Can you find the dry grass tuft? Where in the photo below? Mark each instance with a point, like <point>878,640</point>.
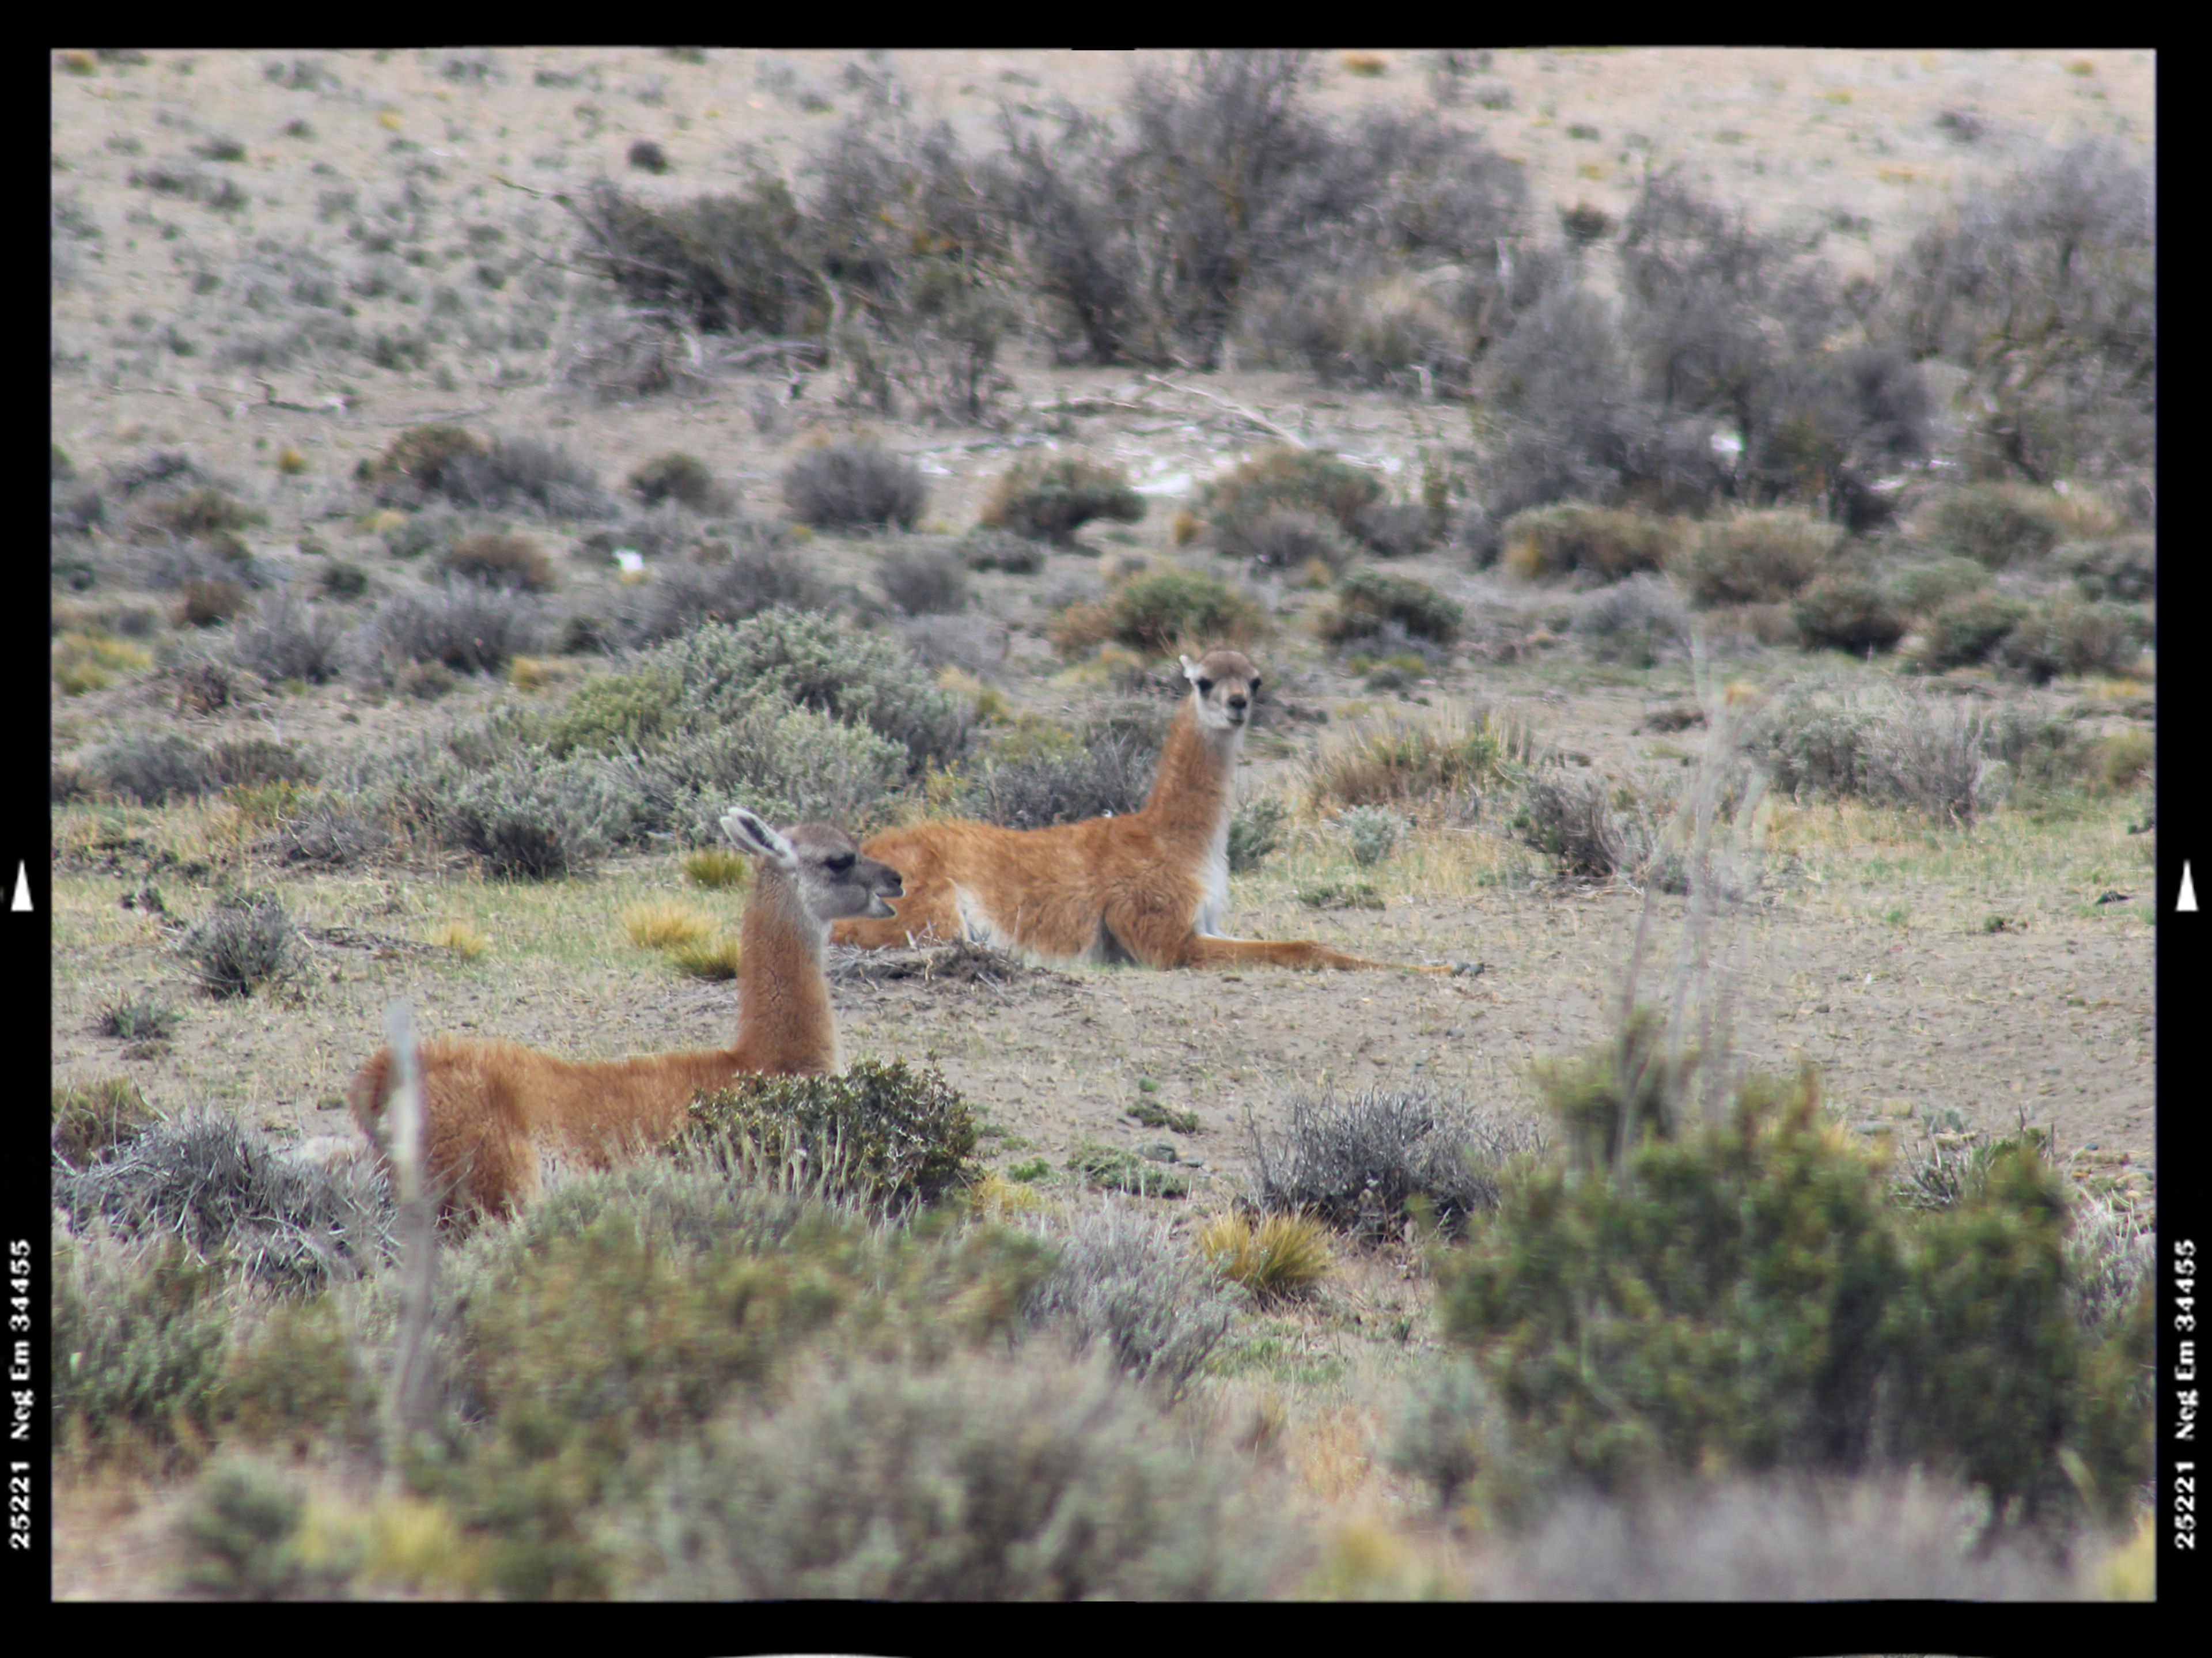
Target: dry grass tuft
<point>664,924</point>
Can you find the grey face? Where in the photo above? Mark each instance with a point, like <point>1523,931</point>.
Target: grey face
<point>835,878</point>
<point>1226,682</point>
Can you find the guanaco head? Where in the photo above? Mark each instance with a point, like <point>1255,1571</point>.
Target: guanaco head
<point>833,880</point>
<point>1226,682</point>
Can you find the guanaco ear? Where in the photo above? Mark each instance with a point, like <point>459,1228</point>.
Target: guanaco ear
<point>1189,668</point>
<point>751,834</point>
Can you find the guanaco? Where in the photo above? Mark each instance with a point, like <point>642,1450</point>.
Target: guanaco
<point>1151,886</point>
<point>491,1107</point>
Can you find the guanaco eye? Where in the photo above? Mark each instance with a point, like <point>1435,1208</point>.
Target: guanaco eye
<point>841,862</point>
<point>1204,687</point>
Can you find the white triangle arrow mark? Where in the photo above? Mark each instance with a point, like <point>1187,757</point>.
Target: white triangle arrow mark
<point>22,887</point>
<point>2187,898</point>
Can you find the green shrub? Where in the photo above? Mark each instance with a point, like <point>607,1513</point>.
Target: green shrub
<point>1968,629</point>
<point>1111,772</point>
<point>297,1381</point>
<point>145,1016</point>
<point>90,1117</point>
<point>893,1137</point>
<point>1049,498</point>
<point>854,485</point>
<point>1254,830</point>
<point>1735,1295</point>
<point>242,1536</point>
<point>1372,832</point>
<point>1919,588</point>
<point>2125,569</point>
<point>1117,1169</point>
<point>982,1481</point>
<point>1238,503</point>
<point>1928,753</point>
<point>2071,637</point>
<point>1997,523</point>
<point>1366,599</point>
<point>1755,557</point>
<point>630,711</point>
<point>535,818</point>
<point>152,767</point>
<point>138,1342</point>
<point>1847,612</point>
<point>1159,613</point>
<point>1608,541</point>
<point>501,561</point>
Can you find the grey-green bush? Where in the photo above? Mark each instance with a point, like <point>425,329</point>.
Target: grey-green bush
<point>854,485</point>
<point>1124,1280</point>
<point>981,1480</point>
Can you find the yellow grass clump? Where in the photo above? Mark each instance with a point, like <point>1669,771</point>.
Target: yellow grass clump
<point>1283,1256</point>
<point>717,868</point>
<point>464,938</point>
<point>662,923</point>
<point>706,958</point>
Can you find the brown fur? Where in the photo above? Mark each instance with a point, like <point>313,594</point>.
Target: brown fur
<point>491,1107</point>
<point>1148,887</point>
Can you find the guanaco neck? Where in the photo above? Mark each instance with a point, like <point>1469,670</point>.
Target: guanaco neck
<point>1193,788</point>
<point>784,1020</point>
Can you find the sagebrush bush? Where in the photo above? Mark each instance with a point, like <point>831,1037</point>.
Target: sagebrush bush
<point>138,1337</point>
<point>924,581</point>
<point>854,485</point>
<point>1243,499</point>
<point>522,474</point>
<point>1001,549</point>
<point>1968,629</point>
<point>754,571</point>
<point>1997,523</point>
<point>2125,569</point>
<point>893,1138</point>
<point>983,1481</point>
<point>152,767</point>
<point>1111,774</point>
<point>1607,542</point>
<point>1366,599</point>
<point>1289,539</point>
<point>1049,498</point>
<point>290,638</point>
<point>1370,1162</point>
<point>1370,832</point>
<point>462,625</point>
<point>1727,1344</point>
<point>252,761</point>
<point>1920,588</point>
<point>1160,612</point>
<point>537,818</point>
<point>2071,637</point>
<point>1256,828</point>
<point>205,512</point>
<point>1381,330</point>
<point>678,475</point>
<point>500,560</point>
<point>1847,612</point>
<point>1638,621</point>
<point>1753,557</point>
<point>1123,1278</point>
<point>1931,754</point>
